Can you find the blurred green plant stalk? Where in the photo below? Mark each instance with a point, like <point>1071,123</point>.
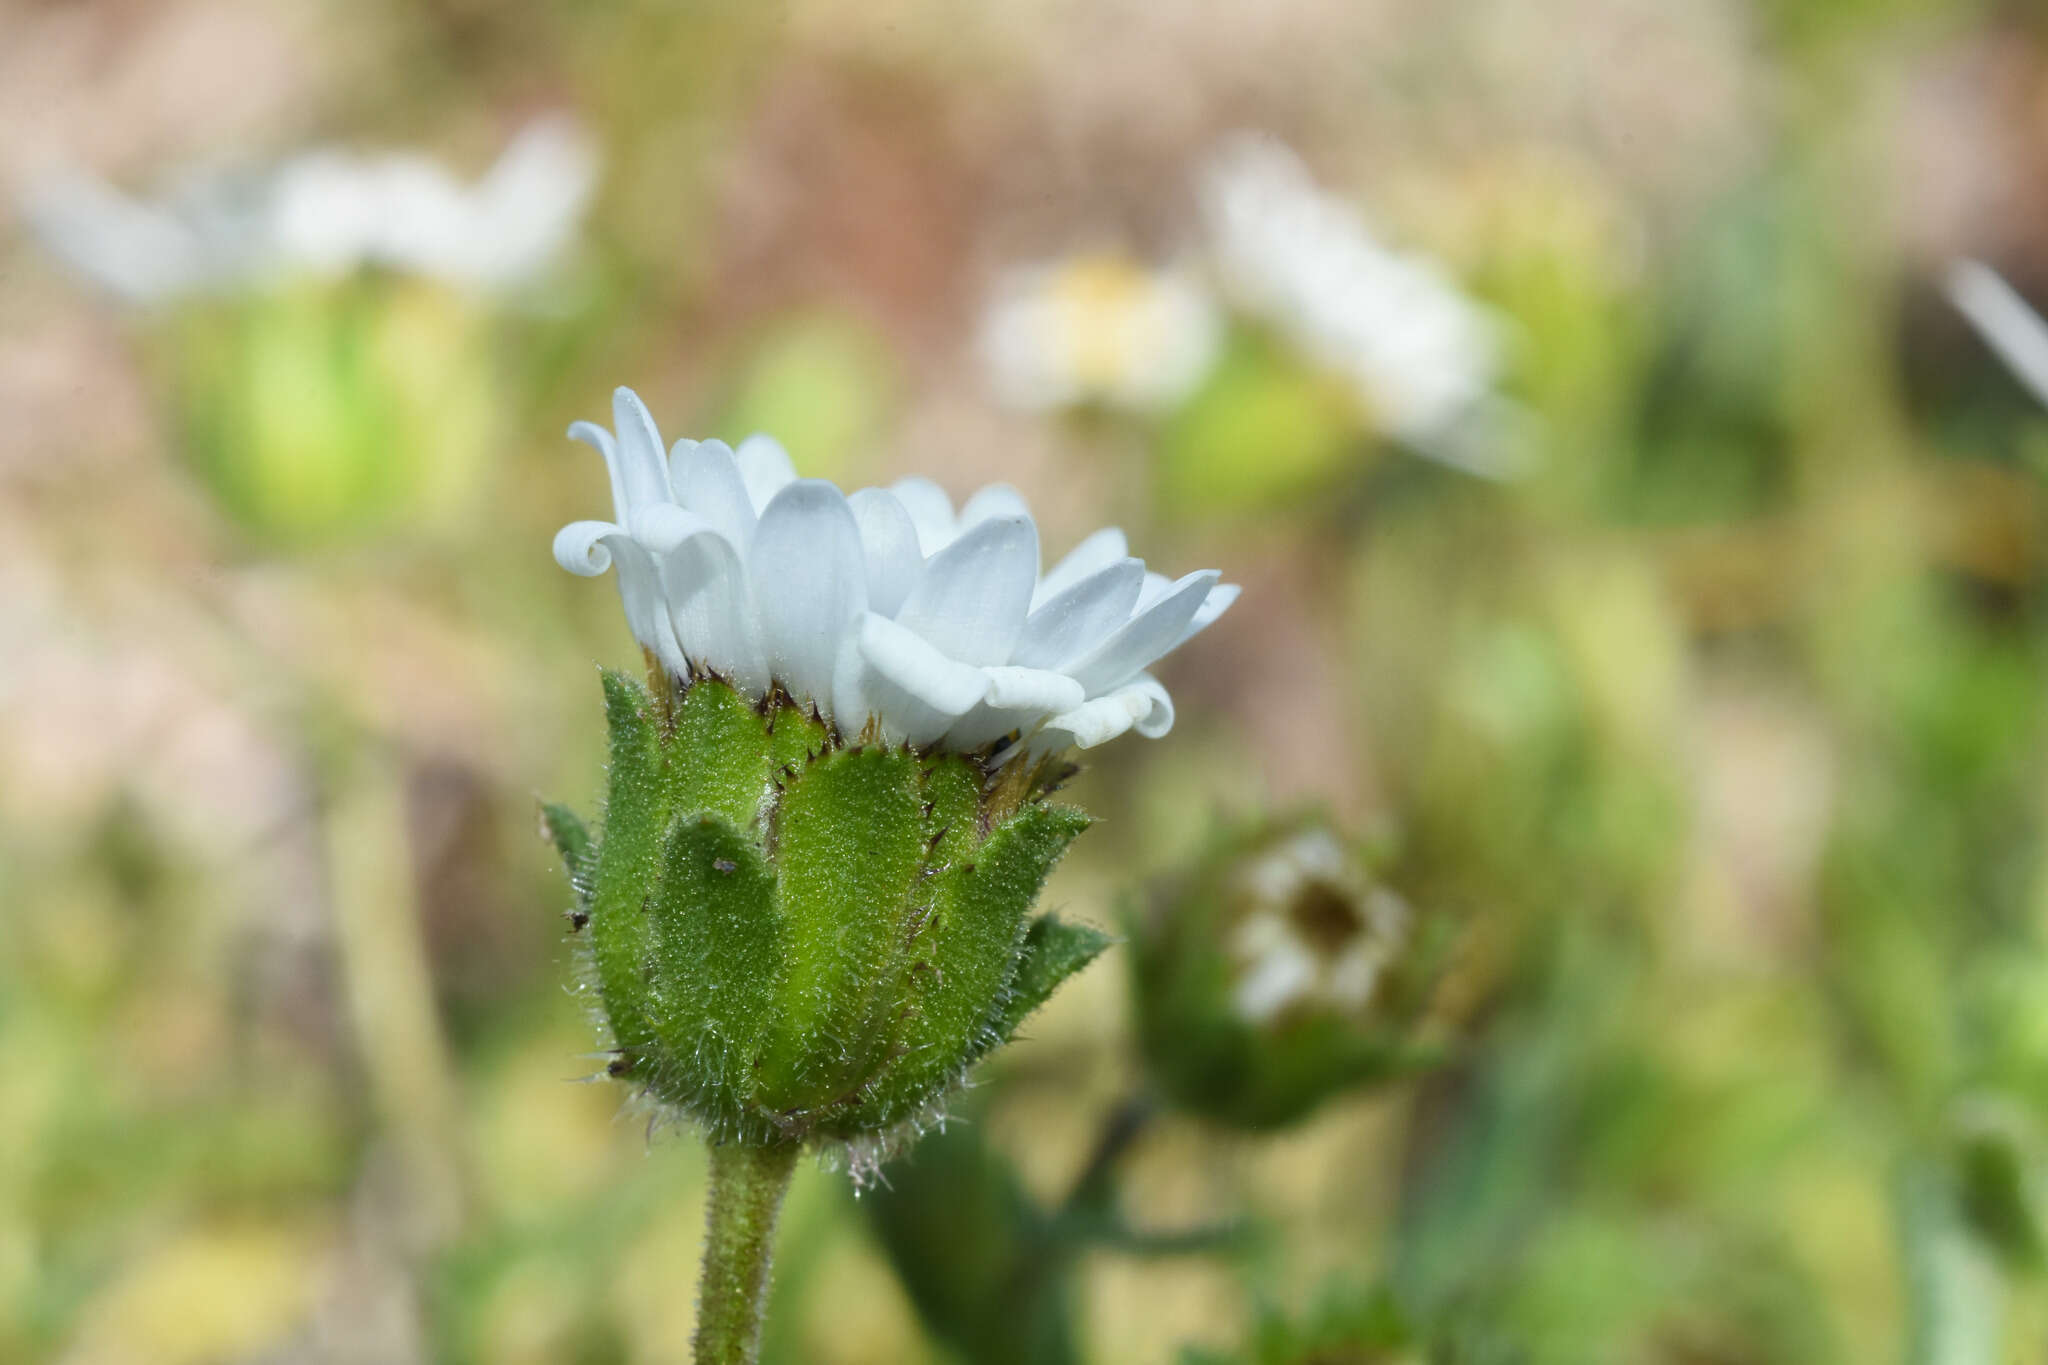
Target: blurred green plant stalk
<point>390,990</point>
<point>315,411</point>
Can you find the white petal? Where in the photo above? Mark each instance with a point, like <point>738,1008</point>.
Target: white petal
<point>1093,723</point>
<point>765,467</point>
<point>1214,605</point>
<point>996,500</point>
<point>1032,689</point>
<point>579,547</point>
<point>704,579</point>
<point>853,685</point>
<point>646,614</point>
<point>525,209</point>
<point>2011,328</point>
<point>661,526</point>
<point>589,548</point>
<point>1154,722</point>
<point>1156,586</point>
<point>141,252</point>
<point>1277,977</point>
<point>643,473</point>
<point>810,585</point>
<point>1092,555</point>
<point>910,661</point>
<point>1018,699</point>
<point>971,598</point>
<point>999,500</point>
<point>931,512</point>
<point>600,440</point>
<point>415,218</point>
<point>888,539</point>
<point>707,481</point>
<point>916,691</point>
<point>657,530</point>
<point>1149,634</point>
<point>1081,617</point>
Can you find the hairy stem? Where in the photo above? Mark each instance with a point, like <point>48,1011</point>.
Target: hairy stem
<point>747,1185</point>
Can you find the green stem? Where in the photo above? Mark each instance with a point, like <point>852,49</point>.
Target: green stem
<point>390,988</point>
<point>747,1185</point>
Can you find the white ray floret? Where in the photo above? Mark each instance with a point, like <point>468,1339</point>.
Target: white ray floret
<point>885,606</point>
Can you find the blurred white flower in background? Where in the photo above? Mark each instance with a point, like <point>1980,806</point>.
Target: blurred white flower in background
<point>325,213</point>
<point>1420,354</point>
<point>1098,328</point>
<point>1316,932</point>
<point>2008,326</point>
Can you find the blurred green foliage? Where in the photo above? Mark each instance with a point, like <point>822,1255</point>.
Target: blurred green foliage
<point>306,411</point>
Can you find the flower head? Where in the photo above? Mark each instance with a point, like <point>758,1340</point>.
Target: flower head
<point>326,213</point>
<point>808,912</point>
<point>1098,329</point>
<point>888,612</point>
<point>1417,351</point>
<point>1274,973</point>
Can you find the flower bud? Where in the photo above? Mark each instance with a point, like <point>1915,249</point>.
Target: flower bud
<point>1273,973</point>
<point>793,937</point>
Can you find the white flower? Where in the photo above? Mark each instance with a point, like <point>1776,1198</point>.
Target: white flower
<point>1319,934</point>
<point>328,212</point>
<point>883,606</point>
<point>2004,320</point>
<point>1418,352</point>
<point>1097,328</point>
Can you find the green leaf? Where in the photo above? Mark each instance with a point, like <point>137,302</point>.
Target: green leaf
<point>565,830</point>
<point>952,788</point>
<point>1053,951</point>
<point>795,737</point>
<point>848,840</point>
<point>628,861</point>
<point>717,755</point>
<point>717,956</point>
<point>976,1255</point>
<point>966,952</point>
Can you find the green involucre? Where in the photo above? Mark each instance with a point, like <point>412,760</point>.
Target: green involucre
<point>794,939</point>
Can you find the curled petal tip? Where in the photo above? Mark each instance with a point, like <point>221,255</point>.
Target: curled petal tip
<point>580,548</point>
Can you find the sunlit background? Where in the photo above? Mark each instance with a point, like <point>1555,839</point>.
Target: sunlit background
<point>1644,576</point>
